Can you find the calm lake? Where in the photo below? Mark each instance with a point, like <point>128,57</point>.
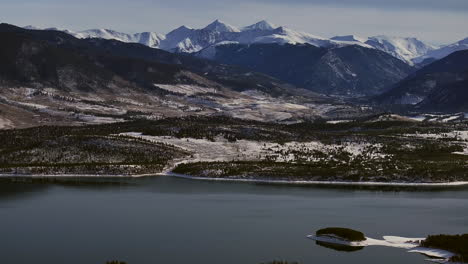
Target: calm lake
<point>170,220</point>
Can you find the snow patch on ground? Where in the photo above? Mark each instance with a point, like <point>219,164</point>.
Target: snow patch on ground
<point>206,150</point>
<point>91,119</point>
<point>5,123</point>
<point>354,149</point>
<point>338,121</point>
<point>418,118</point>
<point>186,89</point>
<point>437,253</point>
<point>457,135</point>
<point>451,118</point>
<point>91,107</point>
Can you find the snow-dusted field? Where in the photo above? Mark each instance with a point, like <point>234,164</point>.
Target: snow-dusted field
<point>455,135</point>
<point>241,150</point>
<point>458,136</point>
<point>186,89</point>
<point>5,123</point>
<point>205,150</point>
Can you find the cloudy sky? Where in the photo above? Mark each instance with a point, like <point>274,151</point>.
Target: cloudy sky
<point>436,21</point>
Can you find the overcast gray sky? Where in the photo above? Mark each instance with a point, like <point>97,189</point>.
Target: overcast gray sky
<point>437,21</point>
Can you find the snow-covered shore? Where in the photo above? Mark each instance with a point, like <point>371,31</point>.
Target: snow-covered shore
<point>292,182</point>
<point>76,175</point>
<point>281,182</point>
<point>410,244</point>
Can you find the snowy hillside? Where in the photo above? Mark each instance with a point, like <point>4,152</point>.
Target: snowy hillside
<point>150,39</point>
<point>444,51</point>
<point>405,49</point>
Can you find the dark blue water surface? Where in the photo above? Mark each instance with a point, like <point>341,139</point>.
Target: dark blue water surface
<point>170,220</point>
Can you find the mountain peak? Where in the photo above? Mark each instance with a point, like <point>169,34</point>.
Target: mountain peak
<point>220,26</point>
<point>183,27</point>
<point>180,31</point>
<point>262,25</point>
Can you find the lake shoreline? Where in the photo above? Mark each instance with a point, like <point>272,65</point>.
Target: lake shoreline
<point>265,181</point>
<point>335,183</point>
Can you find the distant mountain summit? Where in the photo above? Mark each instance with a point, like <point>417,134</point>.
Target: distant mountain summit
<point>262,25</point>
<point>219,26</point>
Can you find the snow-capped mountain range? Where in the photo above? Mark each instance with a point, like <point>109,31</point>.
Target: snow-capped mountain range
<point>189,40</point>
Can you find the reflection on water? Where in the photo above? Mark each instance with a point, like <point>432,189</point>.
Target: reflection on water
<point>338,247</point>
<point>18,186</point>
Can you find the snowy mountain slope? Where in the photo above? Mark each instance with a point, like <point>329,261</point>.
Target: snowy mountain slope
<point>443,51</point>
<point>405,49</point>
<point>350,40</point>
<point>184,39</point>
<point>150,39</point>
<point>283,35</point>
<point>262,25</point>
<point>220,26</point>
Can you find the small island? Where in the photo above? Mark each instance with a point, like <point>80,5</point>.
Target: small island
<point>341,233</point>
<point>442,248</point>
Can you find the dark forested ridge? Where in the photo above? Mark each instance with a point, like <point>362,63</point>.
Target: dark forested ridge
<point>350,71</point>
<point>440,86</point>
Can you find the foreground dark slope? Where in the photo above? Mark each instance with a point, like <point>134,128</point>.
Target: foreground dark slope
<point>27,60</point>
<point>349,71</point>
<point>440,86</point>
